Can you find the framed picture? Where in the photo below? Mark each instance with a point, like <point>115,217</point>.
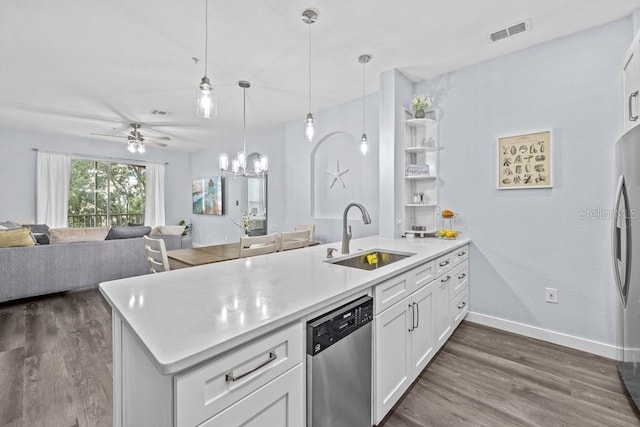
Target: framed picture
<point>524,161</point>
<point>207,196</point>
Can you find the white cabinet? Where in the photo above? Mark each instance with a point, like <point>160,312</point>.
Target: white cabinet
<point>420,174</point>
<point>443,308</point>
<point>278,404</point>
<point>631,84</point>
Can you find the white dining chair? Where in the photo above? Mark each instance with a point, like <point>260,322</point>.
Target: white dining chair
<point>156,255</point>
<point>294,240</point>
<point>310,227</point>
<point>258,245</point>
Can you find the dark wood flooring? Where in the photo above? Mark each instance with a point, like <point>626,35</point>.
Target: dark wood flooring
<point>55,370</point>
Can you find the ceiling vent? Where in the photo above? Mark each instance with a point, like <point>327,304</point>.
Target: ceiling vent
<point>511,30</point>
<point>155,112</point>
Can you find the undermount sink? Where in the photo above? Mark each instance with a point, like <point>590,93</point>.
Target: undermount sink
<point>361,260</point>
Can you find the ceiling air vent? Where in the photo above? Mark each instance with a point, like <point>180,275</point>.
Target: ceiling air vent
<point>155,112</point>
<point>511,30</point>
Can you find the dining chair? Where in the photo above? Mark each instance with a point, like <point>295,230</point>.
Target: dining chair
<point>294,239</point>
<point>156,255</point>
<point>310,227</point>
<point>258,245</point>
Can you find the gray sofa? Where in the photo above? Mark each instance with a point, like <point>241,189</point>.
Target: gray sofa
<point>43,269</point>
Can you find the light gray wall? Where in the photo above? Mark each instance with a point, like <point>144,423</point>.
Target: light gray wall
<point>18,170</point>
<point>210,229</point>
<point>339,125</point>
<point>526,240</point>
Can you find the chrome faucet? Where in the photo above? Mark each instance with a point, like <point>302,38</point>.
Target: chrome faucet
<point>346,235</point>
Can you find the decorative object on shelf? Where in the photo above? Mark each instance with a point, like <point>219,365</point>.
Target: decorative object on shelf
<point>364,142</point>
<point>187,227</point>
<point>239,163</point>
<point>246,223</point>
<point>524,161</point>
<point>309,16</point>
<point>337,175</point>
<point>447,232</point>
<point>420,104</point>
<point>206,102</point>
<point>207,196</point>
<point>416,170</point>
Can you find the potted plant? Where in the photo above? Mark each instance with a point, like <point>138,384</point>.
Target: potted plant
<point>187,227</point>
<point>420,104</point>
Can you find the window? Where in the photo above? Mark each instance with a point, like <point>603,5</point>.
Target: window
<point>106,194</point>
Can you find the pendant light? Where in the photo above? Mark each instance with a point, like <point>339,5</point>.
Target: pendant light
<point>309,16</point>
<point>206,102</point>
<point>364,142</point>
<point>239,163</point>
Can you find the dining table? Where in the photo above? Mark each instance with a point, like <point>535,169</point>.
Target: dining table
<point>191,257</point>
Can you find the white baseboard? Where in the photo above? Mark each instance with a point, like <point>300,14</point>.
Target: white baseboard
<point>605,350</point>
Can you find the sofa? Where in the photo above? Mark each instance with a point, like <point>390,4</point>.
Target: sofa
<point>47,268</point>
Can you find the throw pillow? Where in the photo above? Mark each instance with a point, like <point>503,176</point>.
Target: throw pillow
<point>74,235</point>
<point>127,232</point>
<point>9,225</point>
<point>15,238</point>
<point>167,230</point>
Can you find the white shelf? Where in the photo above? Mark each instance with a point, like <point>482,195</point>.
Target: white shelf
<point>420,149</point>
<point>419,122</point>
<point>420,231</point>
<point>419,205</point>
<point>420,177</point>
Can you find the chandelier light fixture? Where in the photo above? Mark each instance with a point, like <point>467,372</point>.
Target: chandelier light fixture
<point>206,102</point>
<point>239,163</point>
<point>135,142</point>
<point>309,16</point>
<point>364,142</point>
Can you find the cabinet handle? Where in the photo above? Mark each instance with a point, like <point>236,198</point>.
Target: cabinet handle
<point>462,276</point>
<point>231,378</point>
<point>631,116</point>
<point>445,280</point>
<point>417,307</point>
<point>461,306</point>
<point>413,315</point>
<point>462,253</point>
<point>443,263</point>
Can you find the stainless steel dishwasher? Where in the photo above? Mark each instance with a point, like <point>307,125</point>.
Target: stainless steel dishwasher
<point>339,366</point>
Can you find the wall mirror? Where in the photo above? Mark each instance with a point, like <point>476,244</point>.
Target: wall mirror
<point>256,191</point>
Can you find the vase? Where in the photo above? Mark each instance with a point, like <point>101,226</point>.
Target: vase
<point>419,114</point>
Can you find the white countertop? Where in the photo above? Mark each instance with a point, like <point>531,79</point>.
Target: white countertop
<point>186,316</point>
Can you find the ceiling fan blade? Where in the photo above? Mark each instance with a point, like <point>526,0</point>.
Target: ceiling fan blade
<point>159,138</point>
<point>104,134</point>
<point>157,144</point>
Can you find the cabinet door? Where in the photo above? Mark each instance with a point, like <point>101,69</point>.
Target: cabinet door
<point>423,334</point>
<point>443,309</point>
<point>280,403</point>
<point>631,84</point>
<point>392,353</point>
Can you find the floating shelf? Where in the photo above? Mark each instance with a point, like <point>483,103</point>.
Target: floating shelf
<point>419,205</point>
<point>419,122</point>
<point>420,231</point>
<point>421,177</point>
<point>420,149</point>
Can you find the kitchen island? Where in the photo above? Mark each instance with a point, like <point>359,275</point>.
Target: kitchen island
<point>170,328</point>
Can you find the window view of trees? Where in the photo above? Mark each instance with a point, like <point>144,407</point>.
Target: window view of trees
<point>106,194</point>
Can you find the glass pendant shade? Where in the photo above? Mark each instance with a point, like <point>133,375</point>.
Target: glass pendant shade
<point>364,144</point>
<point>223,161</point>
<point>141,148</point>
<point>242,159</point>
<point>309,128</point>
<point>206,102</point>
<point>131,146</point>
<point>235,166</point>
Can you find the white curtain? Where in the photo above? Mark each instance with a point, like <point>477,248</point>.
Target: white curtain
<point>53,179</point>
<point>154,207</point>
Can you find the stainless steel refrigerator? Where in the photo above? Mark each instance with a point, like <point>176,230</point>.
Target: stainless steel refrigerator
<point>626,258</point>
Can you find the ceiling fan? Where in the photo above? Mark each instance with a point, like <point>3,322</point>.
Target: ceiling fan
<point>135,140</point>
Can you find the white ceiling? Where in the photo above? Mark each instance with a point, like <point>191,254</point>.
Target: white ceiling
<point>80,66</point>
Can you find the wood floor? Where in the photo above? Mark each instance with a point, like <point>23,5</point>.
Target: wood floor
<point>55,370</point>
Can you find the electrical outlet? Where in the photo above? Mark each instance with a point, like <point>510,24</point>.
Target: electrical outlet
<point>551,295</point>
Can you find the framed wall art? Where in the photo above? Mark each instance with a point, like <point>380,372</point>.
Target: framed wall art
<point>207,195</point>
<point>524,161</point>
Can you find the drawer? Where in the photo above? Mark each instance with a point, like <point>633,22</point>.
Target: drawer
<point>207,390</point>
<point>459,255</point>
<point>444,263</point>
<point>459,278</point>
<point>460,307</point>
<point>424,274</point>
<point>393,290</point>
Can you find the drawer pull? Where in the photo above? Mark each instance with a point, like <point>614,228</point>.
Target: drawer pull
<point>417,315</point>
<point>443,263</point>
<point>445,280</point>
<point>413,315</point>
<point>463,305</point>
<point>462,253</point>
<point>462,276</point>
<point>632,117</point>
<point>231,378</point>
